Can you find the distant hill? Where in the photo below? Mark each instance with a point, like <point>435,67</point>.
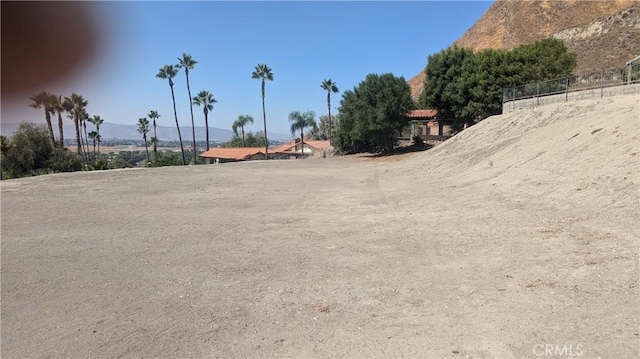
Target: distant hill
<point>603,34</point>
<point>165,133</point>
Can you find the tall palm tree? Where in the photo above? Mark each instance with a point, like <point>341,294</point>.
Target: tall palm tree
<point>241,122</point>
<point>143,128</point>
<point>188,63</point>
<point>76,103</point>
<point>59,108</point>
<point>330,87</point>
<point>168,72</point>
<point>42,99</point>
<point>83,120</point>
<point>300,121</point>
<point>263,72</point>
<point>154,142</point>
<point>97,121</point>
<point>153,115</point>
<point>93,135</point>
<point>206,100</point>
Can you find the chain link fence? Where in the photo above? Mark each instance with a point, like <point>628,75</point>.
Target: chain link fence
<point>588,81</point>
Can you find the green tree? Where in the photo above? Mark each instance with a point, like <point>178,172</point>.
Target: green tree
<point>97,121</point>
<point>263,73</point>
<point>188,63</point>
<point>251,140</point>
<point>322,131</point>
<point>300,121</point>
<point>443,89</point>
<point>330,87</point>
<point>468,87</point>
<point>241,122</point>
<point>168,72</point>
<point>143,129</point>
<point>28,151</point>
<point>153,115</point>
<point>373,113</point>
<point>206,100</point>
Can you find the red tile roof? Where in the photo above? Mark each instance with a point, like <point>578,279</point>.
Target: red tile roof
<point>289,147</point>
<point>421,114</point>
<point>233,153</point>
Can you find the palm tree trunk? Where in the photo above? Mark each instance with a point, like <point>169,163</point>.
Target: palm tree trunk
<point>98,131</point>
<point>94,148</point>
<point>206,125</point>
<point>77,125</point>
<point>146,147</point>
<point>86,139</point>
<point>47,115</point>
<point>264,118</point>
<point>175,113</point>
<point>329,107</point>
<point>242,127</point>
<point>155,143</point>
<point>302,141</point>
<point>60,125</point>
<point>193,124</point>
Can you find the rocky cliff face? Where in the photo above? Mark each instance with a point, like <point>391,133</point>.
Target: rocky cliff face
<point>603,34</point>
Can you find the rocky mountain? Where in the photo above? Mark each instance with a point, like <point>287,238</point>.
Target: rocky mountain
<point>603,34</point>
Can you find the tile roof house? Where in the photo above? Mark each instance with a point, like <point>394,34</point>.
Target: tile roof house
<point>233,154</point>
<point>293,149</point>
<point>432,127</point>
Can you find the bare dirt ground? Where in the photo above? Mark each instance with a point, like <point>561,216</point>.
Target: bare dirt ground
<point>517,236</point>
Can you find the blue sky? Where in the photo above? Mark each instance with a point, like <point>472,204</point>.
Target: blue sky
<point>302,42</point>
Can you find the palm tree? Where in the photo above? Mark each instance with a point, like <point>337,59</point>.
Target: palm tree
<point>330,87</point>
<point>300,121</point>
<point>93,135</point>
<point>97,121</point>
<point>76,103</point>
<point>58,106</point>
<point>206,100</point>
<point>263,72</point>
<point>153,115</point>
<point>143,128</point>
<point>188,63</point>
<point>42,99</point>
<point>154,142</point>
<point>83,120</point>
<point>168,72</point>
<point>241,122</point>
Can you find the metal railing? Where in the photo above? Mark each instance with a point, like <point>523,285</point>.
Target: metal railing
<point>588,81</point>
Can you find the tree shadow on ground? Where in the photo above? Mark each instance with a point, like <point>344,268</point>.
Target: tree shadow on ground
<point>402,150</point>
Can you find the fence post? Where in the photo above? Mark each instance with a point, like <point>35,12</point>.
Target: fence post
<point>566,91</point>
<point>602,83</point>
<point>537,93</point>
<point>513,103</point>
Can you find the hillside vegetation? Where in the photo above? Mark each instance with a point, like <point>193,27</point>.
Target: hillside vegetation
<point>603,34</point>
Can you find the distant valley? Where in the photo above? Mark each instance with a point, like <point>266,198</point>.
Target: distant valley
<point>165,133</point>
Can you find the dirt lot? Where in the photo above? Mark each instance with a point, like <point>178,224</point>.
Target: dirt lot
<point>517,237</point>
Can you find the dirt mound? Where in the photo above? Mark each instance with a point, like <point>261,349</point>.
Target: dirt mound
<point>581,151</point>
<point>518,235</point>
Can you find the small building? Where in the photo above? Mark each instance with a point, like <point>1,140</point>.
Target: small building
<point>433,128</point>
<point>293,149</point>
<point>233,154</point>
